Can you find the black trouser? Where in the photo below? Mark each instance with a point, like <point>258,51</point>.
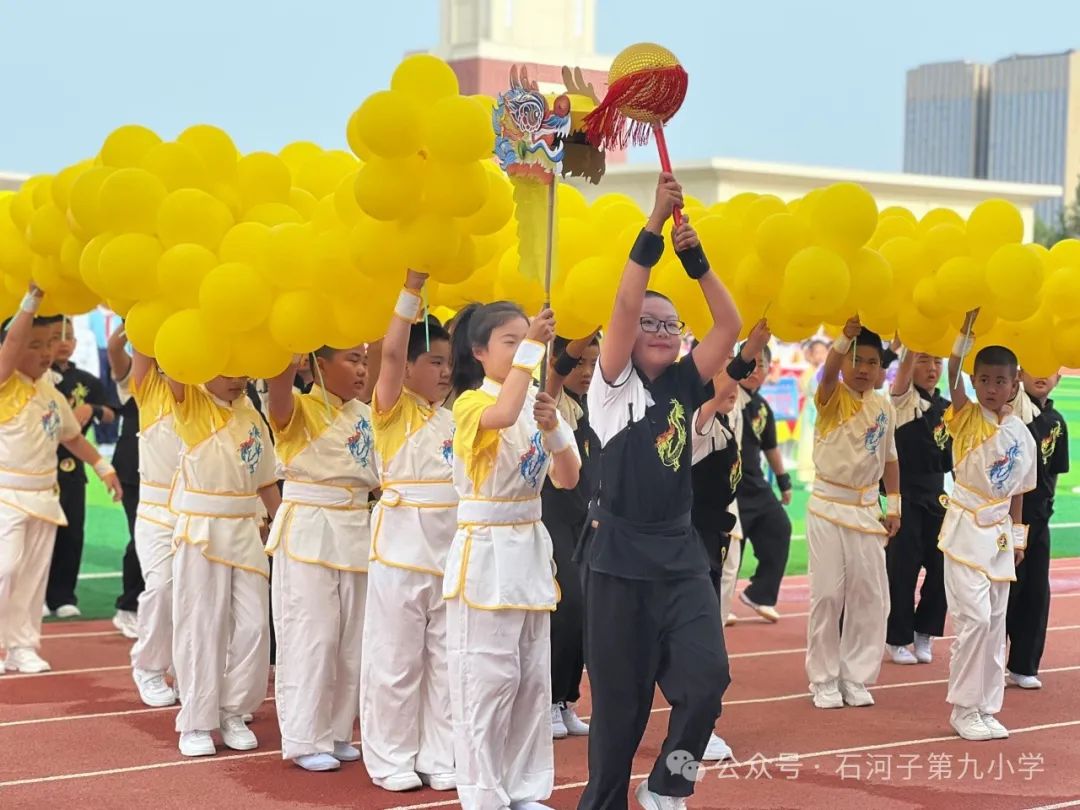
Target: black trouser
<point>133,584</point>
<point>638,634</point>
<point>765,523</point>
<point>568,620</point>
<point>1029,603</point>
<point>67,553</point>
<point>915,547</point>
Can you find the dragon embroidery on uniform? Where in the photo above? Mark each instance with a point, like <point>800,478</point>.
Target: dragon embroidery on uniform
<point>875,433</point>
<point>671,443</point>
<point>1000,471</point>
<point>50,421</point>
<point>532,461</point>
<point>760,420</point>
<point>360,442</point>
<point>251,449</point>
<point>79,394</point>
<point>941,435</point>
<point>448,448</point>
<point>1048,445</point>
<point>736,472</point>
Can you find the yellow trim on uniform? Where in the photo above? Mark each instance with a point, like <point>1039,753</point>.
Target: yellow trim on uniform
<point>976,567</point>
<point>283,545</point>
<point>183,538</point>
<point>34,515</point>
<point>840,408</point>
<point>154,398</point>
<point>395,425</point>
<point>198,416</point>
<point>459,592</point>
<point>476,447</point>
<point>835,522</point>
<point>969,429</point>
<point>15,394</point>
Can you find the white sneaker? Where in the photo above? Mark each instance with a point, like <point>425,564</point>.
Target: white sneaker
<point>197,744</point>
<point>68,612</point>
<point>653,801</point>
<point>717,750</point>
<point>558,727</point>
<point>575,726</point>
<point>856,694</point>
<point>127,623</point>
<point>1023,681</point>
<point>529,806</point>
<point>924,652</point>
<point>45,612</point>
<point>152,688</point>
<point>317,762</point>
<point>767,612</point>
<point>827,695</point>
<point>439,781</point>
<point>26,659</point>
<point>997,731</point>
<point>3,668</point>
<point>236,735</point>
<point>346,752</point>
<point>730,620</point>
<point>900,655</point>
<point>399,782</point>
<point>968,723</point>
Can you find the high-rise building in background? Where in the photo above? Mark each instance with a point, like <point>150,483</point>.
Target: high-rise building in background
<point>1017,119</point>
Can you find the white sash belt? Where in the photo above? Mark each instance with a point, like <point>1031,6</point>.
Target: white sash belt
<point>479,512</point>
<point>209,504</point>
<point>154,494</point>
<point>12,479</point>
<point>419,494</point>
<point>309,494</point>
<point>987,513</point>
<point>826,490</point>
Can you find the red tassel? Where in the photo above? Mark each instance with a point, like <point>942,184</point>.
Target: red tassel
<point>633,104</point>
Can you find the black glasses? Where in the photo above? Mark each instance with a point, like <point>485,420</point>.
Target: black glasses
<point>652,326</point>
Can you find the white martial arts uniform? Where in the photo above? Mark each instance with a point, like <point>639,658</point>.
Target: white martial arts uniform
<point>320,541</point>
<point>159,455</point>
<point>853,440</point>
<point>500,589</point>
<point>221,639</point>
<point>405,690</point>
<point>34,419</point>
<point>992,462</point>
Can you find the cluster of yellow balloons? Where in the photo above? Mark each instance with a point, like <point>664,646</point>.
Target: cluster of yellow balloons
<point>428,195</point>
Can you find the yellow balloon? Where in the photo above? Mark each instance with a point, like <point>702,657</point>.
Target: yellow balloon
<point>497,209</point>
<point>288,257</point>
<point>348,210</point>
<point>47,229</point>
<point>889,227</point>
<point>180,271</point>
<point>1061,292</point>
<point>272,214</point>
<point>387,124</point>
<point>216,149</point>
<point>612,219</point>
<point>390,189</point>
<point>735,208</point>
<point>297,153</point>
<point>429,241</point>
<point>936,217</point>
<point>460,266</point>
<point>234,298</point>
<point>1013,274</point>
<point>64,180</point>
<point>176,165</point>
<point>263,178</point>
<point>779,237</point>
<point>129,200</point>
<point>1065,253</point>
<point>993,223</point>
<point>575,242</point>
<point>125,147</point>
<point>919,332</point>
<point>590,291</point>
<point>354,328</point>
<point>724,242</point>
<point>325,216</point>
<point>424,78</point>
<point>188,349</point>
<point>962,283</point>
<point>792,327</point>
<point>898,211</point>
<point>908,261</point>
<point>322,174</point>
<point>127,266</point>
<point>375,248</point>
<point>245,242</point>
<point>944,242</point>
<point>45,272</point>
<point>297,318</point>
<point>461,131</point>
<point>569,201</point>
<point>89,264</point>
<point>72,299</point>
<point>759,210</point>
<point>928,300</point>
<point>455,189</point>
<point>189,215</point>
<point>143,321</point>
<point>333,268</point>
<point>254,354</point>
<point>814,280</point>
<point>303,202</point>
<point>871,279</point>
<point>510,285</point>
<point>844,217</point>
<point>70,252</point>
<point>15,254</point>
<point>1066,342</point>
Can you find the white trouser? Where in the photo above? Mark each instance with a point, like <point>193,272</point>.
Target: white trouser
<point>405,689</point>
<point>977,606</point>
<point>152,652</point>
<point>26,546</point>
<point>847,576</point>
<point>500,696</point>
<point>730,577</point>
<point>319,626</point>
<point>221,639</point>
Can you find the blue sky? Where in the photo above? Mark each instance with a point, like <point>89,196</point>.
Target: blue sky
<point>808,81</point>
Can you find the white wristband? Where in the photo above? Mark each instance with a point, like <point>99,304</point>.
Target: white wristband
<point>408,306</point>
<point>556,440</point>
<point>30,303</point>
<point>103,468</point>
<point>842,345</point>
<point>963,346</point>
<point>1019,536</point>
<point>892,505</point>
<point>529,355</point>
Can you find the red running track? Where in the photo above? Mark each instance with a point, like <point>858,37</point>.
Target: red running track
<point>78,736</point>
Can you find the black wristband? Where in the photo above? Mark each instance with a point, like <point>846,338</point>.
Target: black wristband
<point>564,364</point>
<point>98,411</point>
<point>693,261</point>
<point>647,249</point>
<point>784,482</point>
<point>739,369</point>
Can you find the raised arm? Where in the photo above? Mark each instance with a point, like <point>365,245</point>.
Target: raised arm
<point>280,389</point>
<point>902,381</point>
<point>18,334</point>
<point>626,315</point>
<point>963,346</point>
<point>711,354</point>
<point>120,363</point>
<point>830,372</point>
<point>373,361</point>
<point>511,398</point>
<point>561,366</point>
<point>395,346</point>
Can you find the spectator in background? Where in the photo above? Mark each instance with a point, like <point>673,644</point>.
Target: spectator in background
<point>103,322</point>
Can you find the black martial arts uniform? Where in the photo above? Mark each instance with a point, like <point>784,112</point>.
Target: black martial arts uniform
<point>765,522</point>
<point>924,449</point>
<point>651,614</point>
<point>715,475</point>
<point>126,463</point>
<point>565,512</point>
<point>1029,596</point>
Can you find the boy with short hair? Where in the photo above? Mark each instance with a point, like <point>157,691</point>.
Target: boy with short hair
<point>854,449</point>
<point>983,536</point>
<point>1029,596</point>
